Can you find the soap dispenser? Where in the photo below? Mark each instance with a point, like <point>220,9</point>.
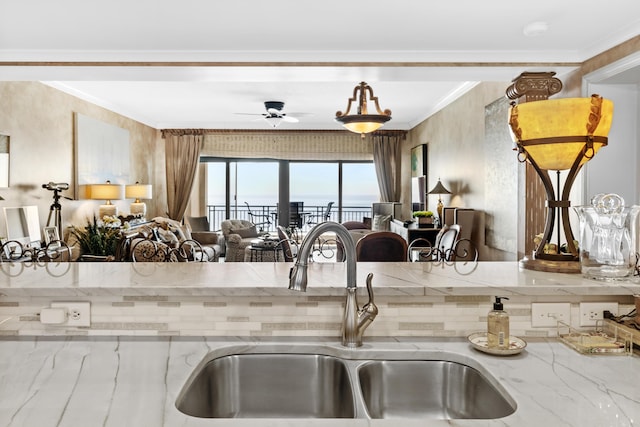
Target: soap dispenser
<point>498,326</point>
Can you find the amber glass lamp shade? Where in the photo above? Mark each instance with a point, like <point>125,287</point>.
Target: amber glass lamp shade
<point>557,135</point>
<point>554,132</point>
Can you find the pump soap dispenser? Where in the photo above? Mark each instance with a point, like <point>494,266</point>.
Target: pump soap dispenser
<point>498,326</point>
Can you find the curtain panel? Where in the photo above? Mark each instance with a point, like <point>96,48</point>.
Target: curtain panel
<point>386,158</point>
<point>182,159</point>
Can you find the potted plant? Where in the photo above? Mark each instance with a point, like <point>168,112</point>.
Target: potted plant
<point>423,217</point>
<point>99,239</point>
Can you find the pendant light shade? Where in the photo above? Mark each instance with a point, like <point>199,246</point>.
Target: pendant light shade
<point>362,122</point>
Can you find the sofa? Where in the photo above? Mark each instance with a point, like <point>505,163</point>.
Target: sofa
<point>238,234</point>
<point>164,239</point>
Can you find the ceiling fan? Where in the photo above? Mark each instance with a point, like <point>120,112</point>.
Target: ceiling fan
<point>274,115</point>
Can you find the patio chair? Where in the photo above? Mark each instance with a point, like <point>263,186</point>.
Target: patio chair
<point>322,216</point>
<point>258,219</point>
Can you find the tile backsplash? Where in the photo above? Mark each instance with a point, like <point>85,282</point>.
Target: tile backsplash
<point>411,316</point>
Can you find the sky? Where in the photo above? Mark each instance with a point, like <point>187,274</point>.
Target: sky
<point>315,184</point>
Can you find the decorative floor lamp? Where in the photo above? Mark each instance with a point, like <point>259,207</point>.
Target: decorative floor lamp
<point>556,135</point>
<point>439,189</point>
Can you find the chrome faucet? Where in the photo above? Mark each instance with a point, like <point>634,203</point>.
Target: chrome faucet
<point>354,320</point>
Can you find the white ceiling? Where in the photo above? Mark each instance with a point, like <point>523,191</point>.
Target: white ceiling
<point>195,63</point>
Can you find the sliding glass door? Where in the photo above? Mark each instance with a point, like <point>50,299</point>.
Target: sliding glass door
<point>232,184</point>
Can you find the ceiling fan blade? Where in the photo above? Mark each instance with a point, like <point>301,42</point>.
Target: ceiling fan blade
<point>296,114</point>
<point>286,118</point>
<point>274,111</point>
<point>250,114</point>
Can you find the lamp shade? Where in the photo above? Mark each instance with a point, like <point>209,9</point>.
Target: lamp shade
<point>138,191</point>
<point>362,122</point>
<point>106,191</point>
<point>439,189</point>
<point>554,132</point>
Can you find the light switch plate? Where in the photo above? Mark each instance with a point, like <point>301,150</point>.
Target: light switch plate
<point>547,315</point>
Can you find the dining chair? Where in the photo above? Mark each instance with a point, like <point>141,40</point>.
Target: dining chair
<point>446,241</point>
<point>381,246</point>
<point>285,244</point>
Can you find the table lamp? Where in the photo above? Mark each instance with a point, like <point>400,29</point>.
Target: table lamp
<point>558,135</point>
<point>439,189</point>
<point>138,191</point>
<point>108,192</point>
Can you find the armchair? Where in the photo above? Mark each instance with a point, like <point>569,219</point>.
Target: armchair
<point>238,234</point>
<point>201,233</point>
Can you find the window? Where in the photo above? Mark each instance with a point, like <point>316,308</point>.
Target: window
<point>352,186</point>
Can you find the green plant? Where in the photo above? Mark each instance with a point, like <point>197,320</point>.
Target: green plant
<point>423,214</point>
<point>97,239</point>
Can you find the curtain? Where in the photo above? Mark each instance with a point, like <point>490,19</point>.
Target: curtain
<point>386,158</point>
<point>182,153</point>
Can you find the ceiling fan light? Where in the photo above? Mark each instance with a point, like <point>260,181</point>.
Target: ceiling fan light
<point>273,121</point>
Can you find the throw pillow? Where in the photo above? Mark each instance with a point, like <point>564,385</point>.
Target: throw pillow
<point>245,232</point>
<point>168,237</point>
<point>381,223</point>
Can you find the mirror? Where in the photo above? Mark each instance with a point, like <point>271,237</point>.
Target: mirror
<point>418,193</point>
<point>23,225</point>
<point>4,160</point>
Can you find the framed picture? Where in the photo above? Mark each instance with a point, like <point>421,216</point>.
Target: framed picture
<point>50,234</point>
<point>6,252</point>
<point>101,152</point>
<point>419,160</point>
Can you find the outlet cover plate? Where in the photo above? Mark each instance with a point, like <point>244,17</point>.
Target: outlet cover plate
<point>590,312</point>
<point>78,313</point>
<point>546,315</point>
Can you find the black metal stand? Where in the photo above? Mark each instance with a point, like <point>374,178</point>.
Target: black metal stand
<point>56,211</point>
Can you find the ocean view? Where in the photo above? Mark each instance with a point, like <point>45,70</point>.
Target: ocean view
<point>314,184</point>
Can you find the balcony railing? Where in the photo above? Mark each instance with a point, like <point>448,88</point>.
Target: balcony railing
<point>312,215</point>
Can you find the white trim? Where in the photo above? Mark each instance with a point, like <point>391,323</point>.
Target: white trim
<point>443,102</point>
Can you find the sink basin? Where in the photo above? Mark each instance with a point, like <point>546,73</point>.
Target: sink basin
<point>431,389</point>
<point>297,382</point>
<point>269,386</point>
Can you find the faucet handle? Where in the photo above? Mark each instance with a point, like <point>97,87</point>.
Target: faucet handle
<point>370,307</point>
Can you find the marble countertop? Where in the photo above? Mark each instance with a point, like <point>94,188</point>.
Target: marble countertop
<point>70,382</point>
<point>270,279</point>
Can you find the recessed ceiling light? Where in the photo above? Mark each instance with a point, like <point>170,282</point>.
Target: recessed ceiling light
<point>535,29</point>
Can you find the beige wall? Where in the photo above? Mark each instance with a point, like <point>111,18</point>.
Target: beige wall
<point>39,120</point>
<point>456,146</point>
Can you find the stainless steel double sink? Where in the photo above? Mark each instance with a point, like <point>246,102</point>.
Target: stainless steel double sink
<point>297,384</point>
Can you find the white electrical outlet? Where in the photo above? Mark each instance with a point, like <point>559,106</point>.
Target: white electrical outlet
<point>78,313</point>
<point>590,312</point>
<point>546,315</point>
